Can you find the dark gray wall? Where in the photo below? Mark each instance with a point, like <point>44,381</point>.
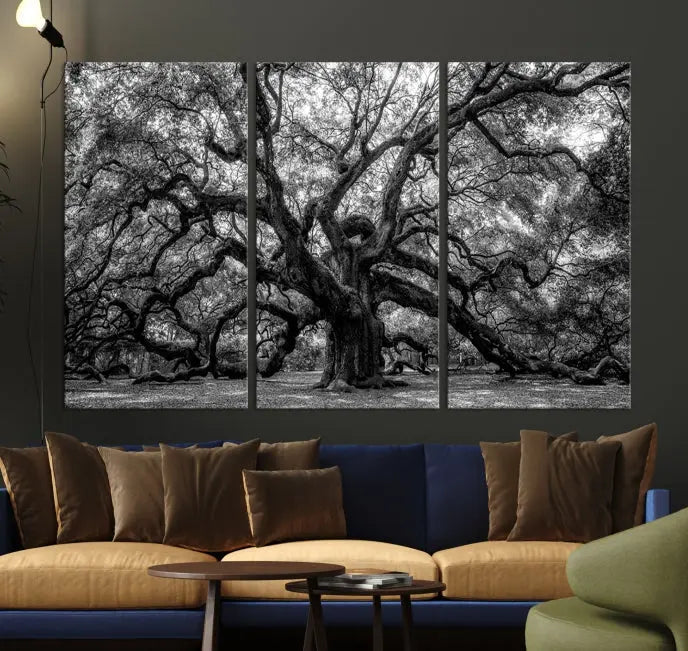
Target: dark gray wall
<point>651,35</point>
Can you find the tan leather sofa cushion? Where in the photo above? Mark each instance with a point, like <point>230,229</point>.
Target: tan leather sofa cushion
<point>500,570</point>
<point>97,575</point>
<point>353,554</point>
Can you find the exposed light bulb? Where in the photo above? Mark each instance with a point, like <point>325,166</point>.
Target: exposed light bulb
<point>29,14</point>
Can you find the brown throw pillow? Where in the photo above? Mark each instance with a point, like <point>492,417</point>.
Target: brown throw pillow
<point>137,494</point>
<point>635,468</point>
<point>502,462</point>
<point>565,489</point>
<point>287,455</point>
<point>81,490</point>
<point>26,473</point>
<point>156,448</point>
<point>205,508</point>
<point>294,505</point>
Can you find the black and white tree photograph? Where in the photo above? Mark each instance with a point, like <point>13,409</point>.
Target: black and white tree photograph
<point>347,235</point>
<point>539,235</point>
<point>155,235</point>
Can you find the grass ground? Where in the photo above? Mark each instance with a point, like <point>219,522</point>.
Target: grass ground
<point>467,390</point>
<point>122,394</point>
<point>294,391</point>
<point>484,390</point>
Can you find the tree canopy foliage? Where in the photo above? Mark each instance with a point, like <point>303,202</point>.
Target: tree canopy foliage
<point>347,217</point>
<point>347,228</point>
<point>155,220</point>
<point>539,196</point>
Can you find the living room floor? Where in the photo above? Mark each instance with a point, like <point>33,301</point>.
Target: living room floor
<point>292,640</point>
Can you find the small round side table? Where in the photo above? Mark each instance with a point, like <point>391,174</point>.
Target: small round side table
<point>404,593</point>
<point>215,573</point>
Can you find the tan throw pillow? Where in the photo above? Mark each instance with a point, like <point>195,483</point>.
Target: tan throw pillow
<point>502,462</point>
<point>565,489</point>
<point>26,473</point>
<point>294,505</point>
<point>635,468</point>
<point>138,498</point>
<point>205,508</point>
<point>287,455</point>
<point>81,490</point>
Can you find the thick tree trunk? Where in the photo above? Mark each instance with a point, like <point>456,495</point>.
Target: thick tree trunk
<point>353,354</point>
<point>355,336</point>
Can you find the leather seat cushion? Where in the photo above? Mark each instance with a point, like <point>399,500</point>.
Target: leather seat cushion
<point>97,575</point>
<point>352,554</point>
<point>506,571</point>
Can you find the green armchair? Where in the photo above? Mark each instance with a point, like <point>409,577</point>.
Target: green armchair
<point>631,594</point>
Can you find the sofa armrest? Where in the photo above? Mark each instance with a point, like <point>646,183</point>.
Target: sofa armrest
<point>657,504</point>
<point>640,571</point>
<point>9,534</point>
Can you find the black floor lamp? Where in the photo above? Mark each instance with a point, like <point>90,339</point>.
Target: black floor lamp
<point>30,14</point>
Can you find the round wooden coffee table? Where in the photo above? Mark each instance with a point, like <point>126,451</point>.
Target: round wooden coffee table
<point>215,573</point>
<point>404,593</point>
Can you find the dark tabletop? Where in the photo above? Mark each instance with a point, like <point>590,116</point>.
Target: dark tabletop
<point>245,570</point>
<point>417,587</point>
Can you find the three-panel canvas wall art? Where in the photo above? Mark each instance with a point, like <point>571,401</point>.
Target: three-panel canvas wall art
<point>389,203</point>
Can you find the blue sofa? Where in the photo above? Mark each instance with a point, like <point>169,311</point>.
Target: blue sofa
<point>428,497</point>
